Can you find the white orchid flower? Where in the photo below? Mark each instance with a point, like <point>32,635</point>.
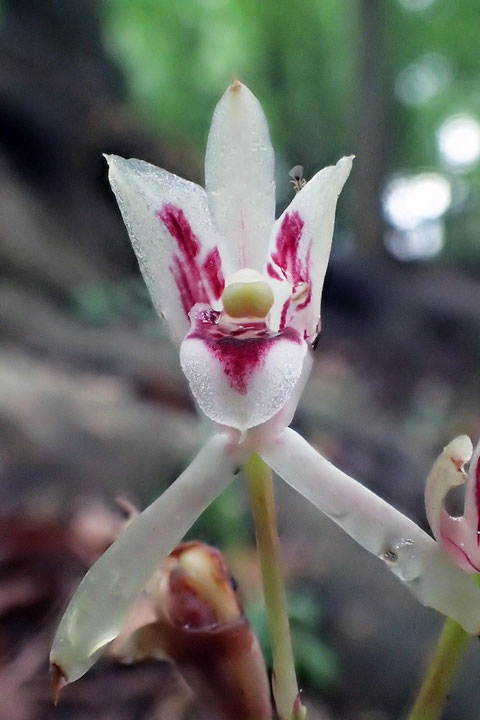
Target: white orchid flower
<point>241,294</point>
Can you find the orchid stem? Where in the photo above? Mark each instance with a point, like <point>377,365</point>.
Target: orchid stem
<point>443,667</point>
<point>285,688</point>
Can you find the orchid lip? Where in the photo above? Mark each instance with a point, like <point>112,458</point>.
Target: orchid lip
<point>241,377</point>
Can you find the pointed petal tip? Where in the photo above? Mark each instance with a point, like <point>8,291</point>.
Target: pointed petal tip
<point>342,171</point>
<point>110,158</point>
<point>58,681</point>
<point>119,163</point>
<point>459,450</point>
<point>345,163</point>
<point>338,173</point>
<point>114,162</point>
<point>236,85</point>
<point>238,95</point>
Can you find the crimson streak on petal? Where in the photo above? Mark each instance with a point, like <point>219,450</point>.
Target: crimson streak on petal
<point>273,273</point>
<point>283,316</point>
<point>196,282</point>
<point>287,257</point>
<point>286,251</point>
<point>213,270</point>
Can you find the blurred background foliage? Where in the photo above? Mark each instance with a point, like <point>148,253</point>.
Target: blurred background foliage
<point>310,64</point>
<point>92,400</point>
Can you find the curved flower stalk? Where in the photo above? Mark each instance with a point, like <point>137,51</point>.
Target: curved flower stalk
<point>241,295</point>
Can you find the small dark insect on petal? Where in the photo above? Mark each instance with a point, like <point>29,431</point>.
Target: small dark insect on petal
<point>298,181</point>
<point>296,173</point>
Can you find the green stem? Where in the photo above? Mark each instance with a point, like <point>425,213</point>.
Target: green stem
<point>441,672</point>
<point>285,688</point>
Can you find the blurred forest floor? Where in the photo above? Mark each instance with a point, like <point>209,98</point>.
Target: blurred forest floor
<point>93,403</point>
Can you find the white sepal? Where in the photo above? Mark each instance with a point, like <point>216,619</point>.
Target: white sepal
<point>177,274</point>
<point>406,549</point>
<point>100,604</point>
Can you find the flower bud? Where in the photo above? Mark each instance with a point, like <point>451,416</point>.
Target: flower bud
<point>200,626</point>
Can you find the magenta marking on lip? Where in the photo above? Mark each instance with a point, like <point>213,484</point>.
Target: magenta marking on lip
<point>189,274</point>
<point>240,357</point>
<point>247,330</point>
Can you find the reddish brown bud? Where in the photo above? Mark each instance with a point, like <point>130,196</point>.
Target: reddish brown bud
<point>197,591</point>
<point>201,627</point>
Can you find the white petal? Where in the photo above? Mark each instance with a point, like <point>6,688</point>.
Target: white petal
<point>242,383</point>
<point>302,237</point>
<point>378,527</point>
<point>98,608</point>
<point>174,238</point>
<point>239,168</point>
